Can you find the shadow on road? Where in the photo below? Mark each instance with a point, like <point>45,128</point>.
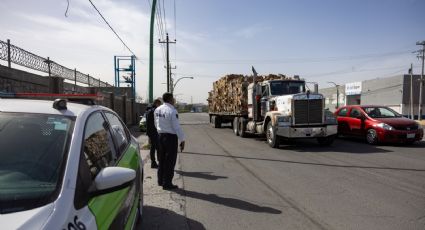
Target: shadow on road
<point>308,163</point>
<point>229,202</point>
<point>340,145</point>
<point>159,218</point>
<point>201,175</point>
<point>353,145</point>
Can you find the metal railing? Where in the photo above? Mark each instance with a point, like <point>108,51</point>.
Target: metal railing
<point>19,56</point>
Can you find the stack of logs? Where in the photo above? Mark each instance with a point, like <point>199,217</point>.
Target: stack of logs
<point>230,93</point>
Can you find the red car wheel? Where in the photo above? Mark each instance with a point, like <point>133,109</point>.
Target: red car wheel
<point>372,136</point>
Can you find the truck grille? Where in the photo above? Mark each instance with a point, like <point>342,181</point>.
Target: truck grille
<point>308,111</point>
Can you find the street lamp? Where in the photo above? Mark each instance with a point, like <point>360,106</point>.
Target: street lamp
<point>337,93</point>
<point>174,86</point>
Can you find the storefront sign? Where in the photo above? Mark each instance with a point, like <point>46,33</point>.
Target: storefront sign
<point>354,88</point>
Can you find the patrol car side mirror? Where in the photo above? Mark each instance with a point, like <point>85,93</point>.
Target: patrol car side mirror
<point>110,179</point>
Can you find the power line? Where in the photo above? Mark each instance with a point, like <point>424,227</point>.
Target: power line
<point>112,29</point>
<point>175,30</point>
<point>165,18</point>
<point>159,30</point>
<point>292,60</point>
<point>354,71</point>
<point>159,24</point>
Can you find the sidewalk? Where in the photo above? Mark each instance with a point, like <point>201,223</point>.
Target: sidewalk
<point>162,209</point>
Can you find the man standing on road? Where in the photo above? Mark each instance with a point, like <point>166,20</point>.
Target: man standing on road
<point>167,124</point>
<point>152,132</point>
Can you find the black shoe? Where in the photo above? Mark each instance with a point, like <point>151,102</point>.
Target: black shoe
<point>154,165</point>
<point>170,187</point>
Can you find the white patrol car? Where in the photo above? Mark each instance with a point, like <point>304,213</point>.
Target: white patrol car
<point>67,166</point>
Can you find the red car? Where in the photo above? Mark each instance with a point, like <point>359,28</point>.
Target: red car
<point>377,124</point>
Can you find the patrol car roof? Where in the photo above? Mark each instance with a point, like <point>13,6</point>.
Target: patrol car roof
<point>40,106</point>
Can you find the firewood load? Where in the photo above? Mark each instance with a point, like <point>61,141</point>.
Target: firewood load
<point>230,93</point>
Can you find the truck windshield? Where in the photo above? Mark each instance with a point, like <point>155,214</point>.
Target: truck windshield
<point>32,155</point>
<point>286,87</point>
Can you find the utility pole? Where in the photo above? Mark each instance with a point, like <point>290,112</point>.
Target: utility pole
<point>411,91</point>
<point>422,43</point>
<point>167,41</point>
<point>171,79</point>
<point>151,52</point>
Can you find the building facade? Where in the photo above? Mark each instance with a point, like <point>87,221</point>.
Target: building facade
<point>400,93</point>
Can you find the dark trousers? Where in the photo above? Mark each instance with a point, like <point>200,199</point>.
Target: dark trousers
<point>167,156</point>
<point>154,141</point>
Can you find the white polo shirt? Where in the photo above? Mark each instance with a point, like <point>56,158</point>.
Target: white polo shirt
<point>166,121</point>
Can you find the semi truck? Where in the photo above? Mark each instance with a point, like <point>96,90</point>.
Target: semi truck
<point>275,106</point>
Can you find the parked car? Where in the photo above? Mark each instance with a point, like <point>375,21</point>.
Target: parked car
<point>377,124</point>
<point>67,166</point>
<point>142,123</point>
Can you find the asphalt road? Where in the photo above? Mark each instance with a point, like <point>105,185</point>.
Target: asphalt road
<point>241,183</point>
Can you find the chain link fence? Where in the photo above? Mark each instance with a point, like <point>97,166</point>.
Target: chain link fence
<point>19,56</point>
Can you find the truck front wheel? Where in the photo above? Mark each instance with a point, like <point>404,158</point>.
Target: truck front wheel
<point>272,139</point>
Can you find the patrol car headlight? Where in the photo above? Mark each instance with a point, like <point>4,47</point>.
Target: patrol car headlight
<point>284,120</point>
<point>385,126</point>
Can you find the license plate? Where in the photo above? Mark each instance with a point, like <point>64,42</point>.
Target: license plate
<point>308,131</point>
<point>410,135</point>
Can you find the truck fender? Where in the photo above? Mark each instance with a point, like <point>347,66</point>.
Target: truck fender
<point>270,117</point>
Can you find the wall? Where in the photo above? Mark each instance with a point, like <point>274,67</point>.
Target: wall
<point>382,91</point>
<point>18,81</point>
<point>331,98</point>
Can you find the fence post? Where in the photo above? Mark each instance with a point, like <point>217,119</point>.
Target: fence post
<point>75,80</point>
<point>112,101</point>
<point>133,114</point>
<point>9,57</point>
<point>124,109</point>
<point>48,65</point>
<point>88,80</point>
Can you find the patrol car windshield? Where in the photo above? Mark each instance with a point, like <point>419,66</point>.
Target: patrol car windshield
<point>286,87</point>
<point>32,158</point>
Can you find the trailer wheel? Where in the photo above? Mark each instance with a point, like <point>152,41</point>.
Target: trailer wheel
<point>242,127</point>
<point>272,139</point>
<point>236,126</point>
<point>217,122</point>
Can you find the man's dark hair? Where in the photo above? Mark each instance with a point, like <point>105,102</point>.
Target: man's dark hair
<point>167,97</point>
<point>157,102</point>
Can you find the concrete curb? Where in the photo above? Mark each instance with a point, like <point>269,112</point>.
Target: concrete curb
<point>162,209</point>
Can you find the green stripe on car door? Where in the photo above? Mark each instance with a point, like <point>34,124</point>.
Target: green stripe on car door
<point>106,207</point>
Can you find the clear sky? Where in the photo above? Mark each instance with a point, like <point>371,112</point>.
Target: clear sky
<point>327,40</point>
